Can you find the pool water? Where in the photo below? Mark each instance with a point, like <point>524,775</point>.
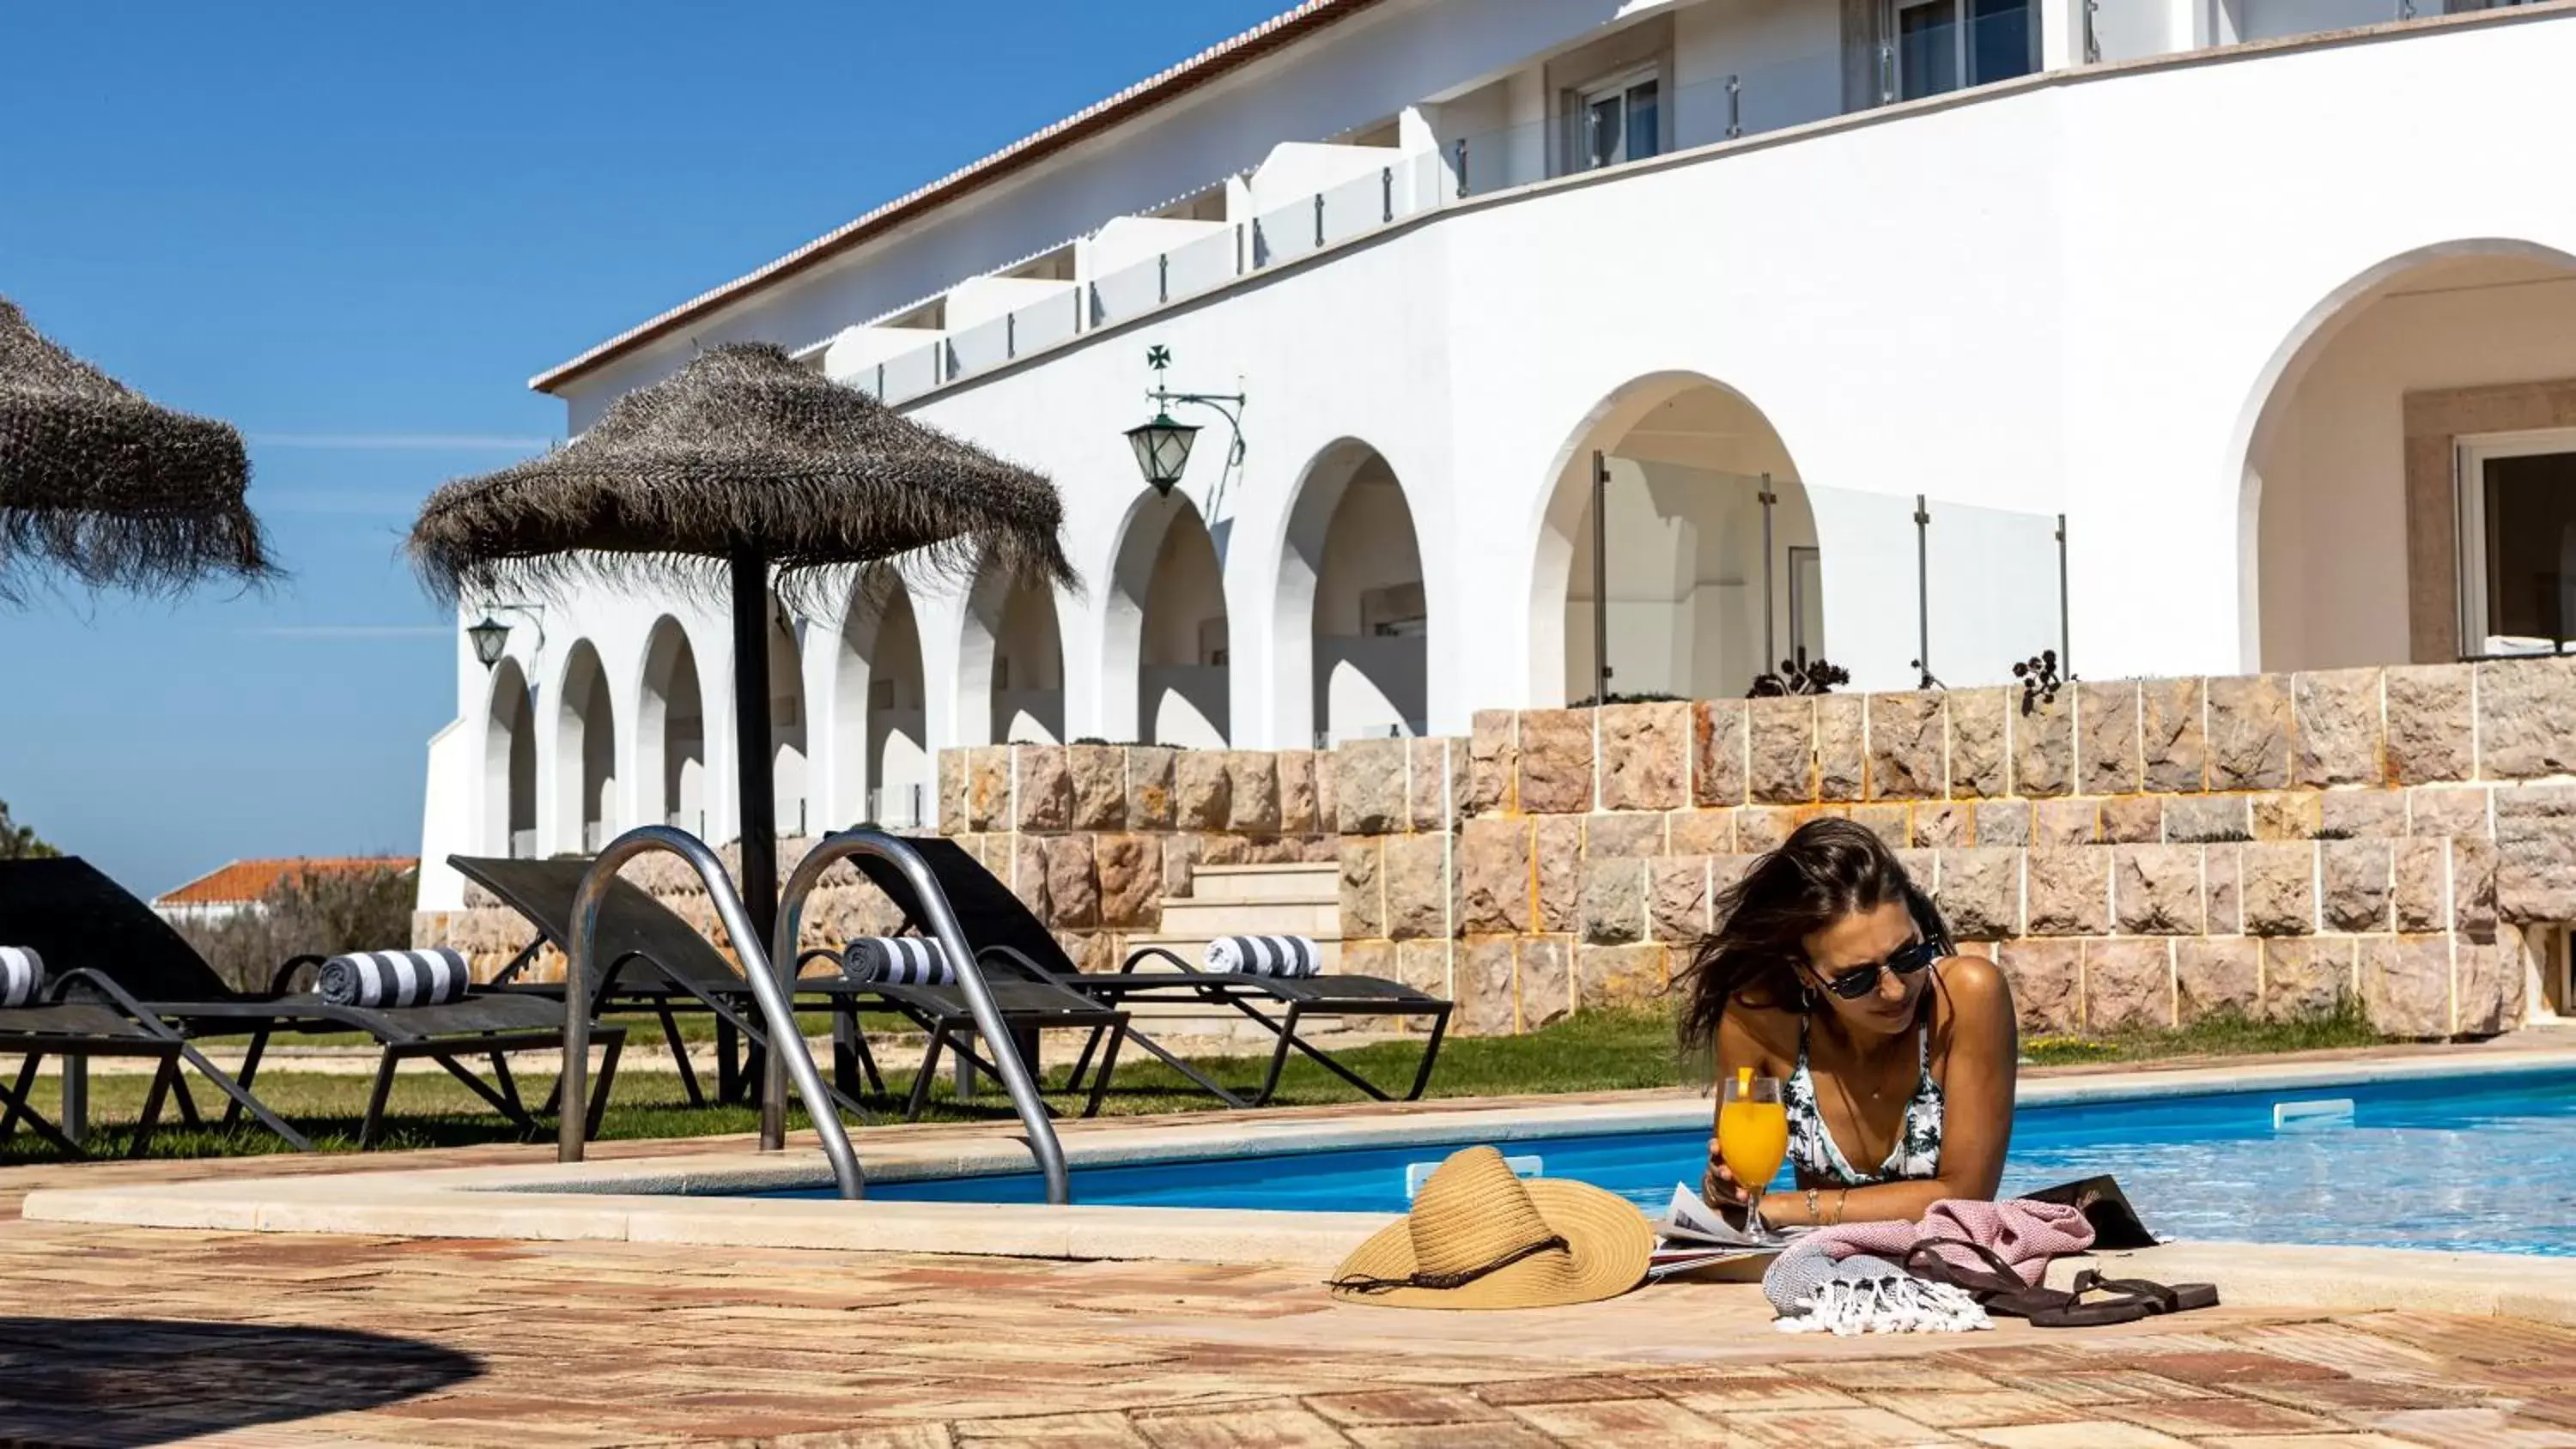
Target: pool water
<point>2481,1163</point>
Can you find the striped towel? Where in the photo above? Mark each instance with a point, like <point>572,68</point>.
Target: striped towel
<point>1265,956</point>
<point>395,978</point>
<point>22,975</point>
<point>897,961</point>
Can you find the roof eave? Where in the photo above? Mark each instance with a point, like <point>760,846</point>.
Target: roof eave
<point>1208,65</point>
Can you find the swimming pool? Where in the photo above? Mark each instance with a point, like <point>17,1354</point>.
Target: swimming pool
<point>2483,1163</point>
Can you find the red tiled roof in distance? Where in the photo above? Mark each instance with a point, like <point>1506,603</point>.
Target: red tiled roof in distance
<point>1209,64</point>
<point>245,881</point>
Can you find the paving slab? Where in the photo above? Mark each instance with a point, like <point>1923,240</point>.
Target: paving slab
<point>118,1334</point>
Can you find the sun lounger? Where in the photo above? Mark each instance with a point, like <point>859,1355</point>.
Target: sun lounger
<point>78,1017</point>
<point>1002,929</point>
<point>95,932</point>
<point>655,961</point>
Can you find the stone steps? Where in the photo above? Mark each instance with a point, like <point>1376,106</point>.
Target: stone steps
<point>1292,899</point>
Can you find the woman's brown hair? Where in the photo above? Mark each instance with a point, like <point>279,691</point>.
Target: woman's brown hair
<point>1826,870</point>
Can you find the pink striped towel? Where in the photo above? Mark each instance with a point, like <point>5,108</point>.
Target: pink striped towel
<point>2024,1234</point>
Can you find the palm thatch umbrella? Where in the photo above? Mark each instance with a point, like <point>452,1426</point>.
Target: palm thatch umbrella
<point>102,484</point>
<point>740,463</point>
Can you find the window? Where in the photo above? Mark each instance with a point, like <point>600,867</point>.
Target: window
<point>1620,120</point>
<point>1942,45</point>
<point>2517,497</point>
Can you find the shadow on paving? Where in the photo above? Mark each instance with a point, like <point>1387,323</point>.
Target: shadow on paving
<point>132,1381</point>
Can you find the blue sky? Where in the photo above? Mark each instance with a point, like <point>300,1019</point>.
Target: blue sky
<point>354,231</point>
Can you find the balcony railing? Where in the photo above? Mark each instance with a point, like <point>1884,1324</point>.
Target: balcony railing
<point>1762,95</point>
<point>899,807</point>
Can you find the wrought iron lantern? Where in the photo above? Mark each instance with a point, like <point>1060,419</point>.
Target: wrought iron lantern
<point>1162,446</point>
<point>490,638</point>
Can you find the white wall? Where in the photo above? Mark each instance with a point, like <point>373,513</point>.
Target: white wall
<point>1370,66</point>
<point>1129,241</point>
<point>2061,296</point>
<point>2331,458</point>
<point>982,299</point>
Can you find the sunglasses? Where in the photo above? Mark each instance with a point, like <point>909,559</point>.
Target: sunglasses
<point>1860,981</point>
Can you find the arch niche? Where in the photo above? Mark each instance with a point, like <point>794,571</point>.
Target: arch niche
<point>510,764</point>
<point>1167,653</point>
<point>789,768</point>
<point>585,809</point>
<point>880,738</point>
<point>1010,664</point>
<point>1353,626</point>
<point>1686,459</point>
<point>671,731</point>
<point>2409,479</point>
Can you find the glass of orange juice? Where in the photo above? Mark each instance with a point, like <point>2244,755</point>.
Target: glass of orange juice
<point>1752,1137</point>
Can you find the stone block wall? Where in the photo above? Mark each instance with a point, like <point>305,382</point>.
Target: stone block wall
<point>2134,853</point>
<point>1093,837</point>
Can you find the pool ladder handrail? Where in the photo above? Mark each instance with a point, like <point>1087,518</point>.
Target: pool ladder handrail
<point>942,926</point>
<point>774,1007</point>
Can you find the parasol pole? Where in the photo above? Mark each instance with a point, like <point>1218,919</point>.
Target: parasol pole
<point>758,801</point>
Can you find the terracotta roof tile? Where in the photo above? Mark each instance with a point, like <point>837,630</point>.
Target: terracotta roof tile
<point>250,880</point>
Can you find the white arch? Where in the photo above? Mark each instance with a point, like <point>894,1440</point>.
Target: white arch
<point>882,767</point>
<point>671,731</point>
<point>1163,546</point>
<point>509,763</point>
<point>1615,426</point>
<point>790,750</point>
<point>1379,683</point>
<point>584,808</point>
<point>1010,663</point>
<point>2306,340</point>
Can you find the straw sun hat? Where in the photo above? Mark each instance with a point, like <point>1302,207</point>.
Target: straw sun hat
<point>1480,1237</point>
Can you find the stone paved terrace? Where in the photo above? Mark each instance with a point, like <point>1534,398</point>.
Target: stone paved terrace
<point>128,1336</point>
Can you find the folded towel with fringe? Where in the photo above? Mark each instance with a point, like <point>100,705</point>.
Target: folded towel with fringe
<point>1806,1287</point>
<point>1813,1293</point>
<point>375,979</point>
<point>898,961</point>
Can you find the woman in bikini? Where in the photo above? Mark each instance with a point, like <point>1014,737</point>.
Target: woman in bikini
<point>1831,971</point>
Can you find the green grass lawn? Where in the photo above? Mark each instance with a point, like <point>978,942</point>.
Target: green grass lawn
<point>1595,1051</point>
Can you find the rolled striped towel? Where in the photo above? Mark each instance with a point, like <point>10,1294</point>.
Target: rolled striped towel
<point>22,975</point>
<point>1265,956</point>
<point>395,978</point>
<point>898,961</point>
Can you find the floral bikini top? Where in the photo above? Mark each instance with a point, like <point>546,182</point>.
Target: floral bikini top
<point>1917,1153</point>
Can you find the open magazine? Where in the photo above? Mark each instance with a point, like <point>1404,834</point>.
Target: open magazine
<point>1692,1235</point>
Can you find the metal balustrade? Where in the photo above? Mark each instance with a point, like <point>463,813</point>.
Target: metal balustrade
<point>787,1058</point>
<point>942,927</point>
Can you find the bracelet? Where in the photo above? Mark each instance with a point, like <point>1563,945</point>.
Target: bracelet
<point>1813,1214</point>
<point>1840,1199</point>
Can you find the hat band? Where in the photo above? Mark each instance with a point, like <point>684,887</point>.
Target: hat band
<point>1361,1283</point>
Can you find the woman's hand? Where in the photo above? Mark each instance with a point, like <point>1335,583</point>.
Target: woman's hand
<point>1718,1188</point>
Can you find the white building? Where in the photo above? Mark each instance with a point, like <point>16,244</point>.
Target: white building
<point>2280,320</point>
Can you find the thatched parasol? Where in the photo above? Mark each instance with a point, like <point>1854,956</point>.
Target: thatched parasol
<point>101,484</point>
<point>737,464</point>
